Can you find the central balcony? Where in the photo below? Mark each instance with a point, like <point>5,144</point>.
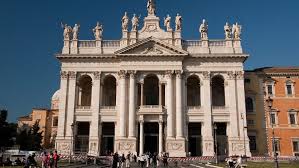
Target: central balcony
<point>151,109</point>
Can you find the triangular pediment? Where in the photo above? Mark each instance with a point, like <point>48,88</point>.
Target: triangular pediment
<point>151,47</point>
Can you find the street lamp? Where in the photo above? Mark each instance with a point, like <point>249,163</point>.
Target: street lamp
<point>72,145</point>
<point>215,136</point>
<point>270,103</point>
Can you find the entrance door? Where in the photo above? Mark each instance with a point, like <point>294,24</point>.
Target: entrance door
<point>151,137</point>
<point>194,139</point>
<point>107,144</point>
<point>222,144</point>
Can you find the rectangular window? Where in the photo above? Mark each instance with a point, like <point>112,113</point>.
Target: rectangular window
<point>276,145</point>
<point>250,122</point>
<point>289,90</point>
<point>292,119</point>
<point>55,121</point>
<point>252,142</point>
<point>270,89</point>
<point>273,118</point>
<point>296,146</point>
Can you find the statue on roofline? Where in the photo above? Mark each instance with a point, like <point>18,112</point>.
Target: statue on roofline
<point>178,22</point>
<point>76,31</point>
<point>125,22</point>
<point>227,31</point>
<point>167,23</point>
<point>203,29</point>
<point>135,22</point>
<point>98,31</point>
<point>237,31</point>
<point>67,31</point>
<point>151,7</point>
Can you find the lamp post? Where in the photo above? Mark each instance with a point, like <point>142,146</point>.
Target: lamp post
<point>215,136</point>
<point>270,103</point>
<point>72,145</point>
<point>244,129</point>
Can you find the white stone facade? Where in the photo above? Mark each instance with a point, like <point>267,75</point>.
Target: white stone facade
<point>140,59</point>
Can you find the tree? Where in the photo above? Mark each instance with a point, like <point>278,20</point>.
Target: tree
<point>7,130</point>
<point>30,137</point>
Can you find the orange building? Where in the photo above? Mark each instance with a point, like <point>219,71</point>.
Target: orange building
<point>281,84</point>
<point>48,121</point>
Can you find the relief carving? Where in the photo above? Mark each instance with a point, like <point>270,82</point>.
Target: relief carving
<point>72,74</point>
<point>206,75</point>
<point>209,146</point>
<point>122,74</point>
<point>240,75</point>
<point>97,75</point>
<point>231,75</point>
<point>126,146</point>
<point>63,74</point>
<point>174,146</point>
<point>237,147</point>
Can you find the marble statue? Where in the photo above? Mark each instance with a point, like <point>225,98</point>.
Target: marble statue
<point>204,30</point>
<point>167,23</point>
<point>67,31</point>
<point>125,22</point>
<point>151,7</point>
<point>76,31</point>
<point>135,23</point>
<point>178,22</point>
<point>237,31</point>
<point>227,31</point>
<point>98,31</point>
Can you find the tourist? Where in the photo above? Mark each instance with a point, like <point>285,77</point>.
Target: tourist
<point>56,159</point>
<point>147,159</point>
<point>165,161</point>
<point>115,160</point>
<point>122,160</point>
<point>142,160</point>
<point>154,160</point>
<point>44,160</point>
<point>128,160</point>
<point>51,160</point>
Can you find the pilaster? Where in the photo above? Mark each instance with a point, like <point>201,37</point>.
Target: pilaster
<point>122,105</point>
<point>94,137</point>
<point>207,130</point>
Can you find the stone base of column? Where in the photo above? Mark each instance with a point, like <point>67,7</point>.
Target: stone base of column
<point>236,147</point>
<point>176,147</point>
<point>64,146</point>
<point>208,146</point>
<point>126,145</point>
<point>94,147</point>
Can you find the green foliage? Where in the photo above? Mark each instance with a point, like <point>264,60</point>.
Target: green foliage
<point>30,138</point>
<point>7,130</point>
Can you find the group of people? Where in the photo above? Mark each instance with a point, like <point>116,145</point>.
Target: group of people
<point>50,160</point>
<point>234,161</point>
<point>144,160</point>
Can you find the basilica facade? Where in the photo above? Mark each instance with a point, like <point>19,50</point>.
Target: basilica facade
<point>152,91</point>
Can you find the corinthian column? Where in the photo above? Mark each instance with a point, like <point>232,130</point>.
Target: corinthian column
<point>122,104</point>
<point>132,116</point>
<point>179,115</point>
<point>169,105</point>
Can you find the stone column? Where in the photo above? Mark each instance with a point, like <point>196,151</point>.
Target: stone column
<point>122,104</point>
<point>132,106</point>
<point>141,94</point>
<point>169,105</point>
<point>207,129</point>
<point>160,94</point>
<point>62,104</point>
<point>230,102</point>
<point>141,142</point>
<point>71,103</point>
<point>179,115</point>
<point>160,137</point>
<point>94,125</point>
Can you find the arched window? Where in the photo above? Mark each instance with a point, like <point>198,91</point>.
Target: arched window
<point>218,95</point>
<point>84,91</point>
<point>249,104</point>
<point>151,90</point>
<point>193,91</point>
<point>109,91</point>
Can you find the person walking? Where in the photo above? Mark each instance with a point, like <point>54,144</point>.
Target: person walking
<point>142,160</point>
<point>154,160</point>
<point>115,160</point>
<point>56,159</point>
<point>44,160</point>
<point>128,160</point>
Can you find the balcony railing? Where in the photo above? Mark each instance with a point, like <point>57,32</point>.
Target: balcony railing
<point>217,43</point>
<point>190,43</point>
<point>150,109</point>
<point>108,107</point>
<point>83,107</point>
<point>111,43</point>
<point>86,43</point>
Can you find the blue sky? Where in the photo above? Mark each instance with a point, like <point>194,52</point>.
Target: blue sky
<point>30,35</point>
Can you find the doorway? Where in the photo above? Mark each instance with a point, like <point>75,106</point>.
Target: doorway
<point>107,143</point>
<point>194,139</point>
<point>151,137</point>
